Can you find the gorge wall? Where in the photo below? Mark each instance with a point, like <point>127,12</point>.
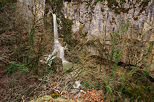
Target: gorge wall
<point>98,21</point>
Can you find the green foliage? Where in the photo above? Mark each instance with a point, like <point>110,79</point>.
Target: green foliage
<point>145,74</point>
<point>133,70</point>
<point>29,44</point>
<point>31,41</point>
<point>116,86</point>
<point>34,51</point>
<point>114,38</point>
<point>133,90</point>
<point>97,1</point>
<point>140,91</point>
<point>32,61</point>
<point>108,89</point>
<point>124,80</point>
<point>88,85</point>
<point>31,35</point>
<point>47,71</point>
<point>51,59</point>
<point>124,26</point>
<point>14,67</point>
<point>98,86</point>
<point>117,58</point>
<point>118,55</point>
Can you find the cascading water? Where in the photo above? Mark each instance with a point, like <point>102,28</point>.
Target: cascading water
<point>58,49</point>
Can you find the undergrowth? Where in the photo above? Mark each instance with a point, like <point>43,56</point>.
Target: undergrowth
<point>100,76</point>
<point>115,83</point>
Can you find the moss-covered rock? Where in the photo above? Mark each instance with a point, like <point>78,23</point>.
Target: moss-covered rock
<point>43,99</point>
<point>48,98</point>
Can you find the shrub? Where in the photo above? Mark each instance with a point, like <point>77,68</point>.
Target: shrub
<point>14,67</point>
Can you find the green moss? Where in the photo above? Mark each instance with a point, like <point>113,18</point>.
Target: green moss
<point>66,32</point>
<point>44,98</point>
<point>67,66</point>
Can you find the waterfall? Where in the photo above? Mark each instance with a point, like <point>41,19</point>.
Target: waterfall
<point>58,49</point>
<point>55,27</point>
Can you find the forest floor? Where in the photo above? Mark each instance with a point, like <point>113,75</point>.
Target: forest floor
<point>59,87</point>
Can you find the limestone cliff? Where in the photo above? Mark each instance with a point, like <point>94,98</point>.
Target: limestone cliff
<point>100,18</point>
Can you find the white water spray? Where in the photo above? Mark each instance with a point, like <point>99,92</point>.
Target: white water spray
<point>58,49</point>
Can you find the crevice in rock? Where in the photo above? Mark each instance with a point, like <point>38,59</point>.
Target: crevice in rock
<point>67,0</point>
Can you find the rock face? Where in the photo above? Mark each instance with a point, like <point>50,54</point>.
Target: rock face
<point>133,18</point>
<point>99,20</point>
<point>29,8</point>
